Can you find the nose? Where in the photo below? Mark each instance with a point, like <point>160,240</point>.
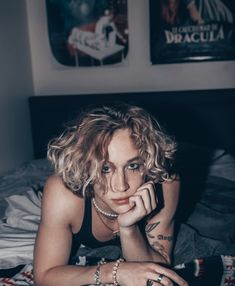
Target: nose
<point>119,181</point>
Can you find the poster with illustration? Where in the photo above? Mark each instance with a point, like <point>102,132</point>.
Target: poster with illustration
<point>191,30</point>
<point>85,33</point>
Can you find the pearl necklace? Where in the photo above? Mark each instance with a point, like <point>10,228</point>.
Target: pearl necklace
<point>106,214</point>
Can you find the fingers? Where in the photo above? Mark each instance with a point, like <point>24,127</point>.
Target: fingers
<point>160,275</point>
<point>138,203</point>
<point>150,274</point>
<point>148,195</point>
<point>160,279</point>
<point>154,283</point>
<point>142,203</point>
<point>165,276</point>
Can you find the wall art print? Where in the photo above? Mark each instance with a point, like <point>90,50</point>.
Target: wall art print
<point>191,30</point>
<point>84,33</point>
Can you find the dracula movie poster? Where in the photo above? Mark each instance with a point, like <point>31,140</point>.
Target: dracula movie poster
<point>87,32</point>
<point>191,30</point>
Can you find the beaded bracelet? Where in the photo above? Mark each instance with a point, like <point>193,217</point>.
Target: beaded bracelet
<point>97,273</point>
<point>115,269</point>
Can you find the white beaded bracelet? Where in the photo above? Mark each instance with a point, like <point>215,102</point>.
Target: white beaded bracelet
<point>115,269</point>
<point>97,273</point>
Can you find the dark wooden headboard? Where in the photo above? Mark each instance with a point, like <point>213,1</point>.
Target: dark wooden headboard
<point>204,117</point>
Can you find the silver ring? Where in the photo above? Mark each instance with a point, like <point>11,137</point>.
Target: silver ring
<point>159,279</point>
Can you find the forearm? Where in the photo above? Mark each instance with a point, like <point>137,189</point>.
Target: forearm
<point>136,248</point>
<point>74,275</point>
<point>194,13</point>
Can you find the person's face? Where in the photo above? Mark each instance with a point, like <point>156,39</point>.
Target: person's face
<point>172,5</point>
<point>123,171</point>
<point>81,8</point>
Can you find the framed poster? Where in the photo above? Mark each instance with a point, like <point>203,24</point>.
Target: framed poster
<point>88,32</point>
<point>191,30</point>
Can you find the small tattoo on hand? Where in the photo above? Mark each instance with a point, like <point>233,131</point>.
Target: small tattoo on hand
<point>149,282</point>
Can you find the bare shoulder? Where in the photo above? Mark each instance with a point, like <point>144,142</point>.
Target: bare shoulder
<point>60,205</point>
<point>173,185</point>
<point>57,192</point>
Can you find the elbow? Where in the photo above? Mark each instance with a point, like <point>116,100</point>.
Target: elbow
<point>40,278</point>
<point>162,257</point>
<point>166,260</point>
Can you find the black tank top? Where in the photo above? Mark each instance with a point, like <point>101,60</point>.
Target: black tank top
<point>85,235</point>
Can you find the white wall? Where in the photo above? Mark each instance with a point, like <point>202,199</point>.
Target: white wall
<point>15,86</point>
<point>138,75</point>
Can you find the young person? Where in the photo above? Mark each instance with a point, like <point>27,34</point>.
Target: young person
<point>207,11</point>
<point>113,185</point>
<point>170,11</point>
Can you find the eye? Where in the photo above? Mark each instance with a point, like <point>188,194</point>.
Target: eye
<point>106,169</point>
<point>134,166</point>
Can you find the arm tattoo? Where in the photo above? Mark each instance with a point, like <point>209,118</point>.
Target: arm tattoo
<point>150,227</point>
<point>160,248</point>
<point>157,246</point>
<point>165,237</point>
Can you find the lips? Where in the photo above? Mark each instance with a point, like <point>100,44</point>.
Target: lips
<point>123,201</point>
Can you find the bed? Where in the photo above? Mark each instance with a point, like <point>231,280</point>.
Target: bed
<point>201,121</point>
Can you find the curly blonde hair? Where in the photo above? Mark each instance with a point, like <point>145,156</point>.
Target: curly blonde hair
<point>79,153</point>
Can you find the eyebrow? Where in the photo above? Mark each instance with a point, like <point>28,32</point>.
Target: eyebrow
<point>128,161</point>
<point>134,159</point>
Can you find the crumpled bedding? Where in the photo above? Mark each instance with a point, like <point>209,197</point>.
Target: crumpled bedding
<point>19,227</point>
<point>20,208</point>
<point>30,174</point>
<point>208,231</point>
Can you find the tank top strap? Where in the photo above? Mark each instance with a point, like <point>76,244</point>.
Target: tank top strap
<point>85,235</point>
